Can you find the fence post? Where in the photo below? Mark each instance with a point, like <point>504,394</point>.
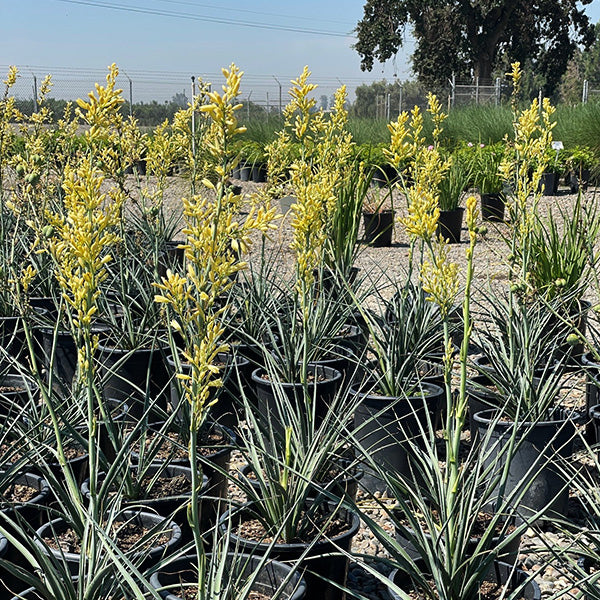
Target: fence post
<point>399,100</point>
<point>387,106</point>
<point>497,91</point>
<point>35,103</point>
<point>584,95</point>
<point>268,107</point>
<point>477,90</point>
<point>193,117</point>
<point>130,97</point>
<point>453,86</point>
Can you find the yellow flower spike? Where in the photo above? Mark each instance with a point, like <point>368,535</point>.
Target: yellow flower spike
<point>440,277</point>
<point>11,77</point>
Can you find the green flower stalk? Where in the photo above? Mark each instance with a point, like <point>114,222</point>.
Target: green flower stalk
<point>215,238</point>
<point>81,235</point>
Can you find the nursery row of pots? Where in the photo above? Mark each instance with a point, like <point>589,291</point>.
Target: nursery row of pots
<point>382,437</point>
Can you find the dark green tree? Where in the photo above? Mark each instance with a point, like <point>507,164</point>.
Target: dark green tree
<point>475,36</point>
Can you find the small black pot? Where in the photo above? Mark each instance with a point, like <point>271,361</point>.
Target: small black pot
<point>379,228</point>
<point>549,183</point>
<point>245,171</point>
<point>450,224</point>
<point>492,207</point>
<point>320,561</point>
<point>578,180</point>
<point>259,173</point>
<point>270,578</point>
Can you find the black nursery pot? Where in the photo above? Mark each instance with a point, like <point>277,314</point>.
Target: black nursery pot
<point>492,207</point>
<point>319,561</point>
<point>343,483</point>
<point>592,395</point>
<point>12,341</point>
<point>501,573</point>
<point>320,393</point>
<point>147,559</point>
<point>138,377</point>
<point>271,577</point>
<point>534,478</point>
<point>16,394</point>
<point>228,410</point>
<point>379,228</point>
<point>450,224</point>
<point>171,507</point>
<point>385,427</point>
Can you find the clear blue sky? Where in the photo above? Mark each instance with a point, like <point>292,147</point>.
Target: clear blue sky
<point>77,39</point>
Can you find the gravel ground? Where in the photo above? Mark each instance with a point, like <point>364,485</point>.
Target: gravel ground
<point>490,270</point>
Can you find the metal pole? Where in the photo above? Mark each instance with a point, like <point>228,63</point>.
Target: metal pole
<point>497,91</point>
<point>477,90</point>
<point>268,107</point>
<point>280,98</point>
<point>130,94</point>
<point>193,117</point>
<point>540,98</point>
<point>35,92</point>
<point>453,86</point>
<point>387,106</point>
<point>248,105</point>
<point>399,100</point>
<point>584,92</point>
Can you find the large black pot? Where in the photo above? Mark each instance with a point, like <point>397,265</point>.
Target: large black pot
<point>269,579</point>
<point>145,559</point>
<point>450,224</point>
<point>379,228</point>
<point>171,507</point>
<point>535,480</point>
<point>314,398</point>
<point>227,411</point>
<point>492,207</point>
<point>323,563</point>
<point>385,427</point>
<point>138,377</point>
<point>502,573</point>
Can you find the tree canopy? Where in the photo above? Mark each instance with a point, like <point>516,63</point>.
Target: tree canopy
<point>476,37</point>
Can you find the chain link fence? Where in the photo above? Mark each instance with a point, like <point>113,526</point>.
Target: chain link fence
<point>152,96</point>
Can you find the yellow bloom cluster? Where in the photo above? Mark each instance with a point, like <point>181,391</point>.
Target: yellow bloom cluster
<point>215,237</point>
<point>315,195</point>
<point>81,235</point>
<point>326,151</point>
<point>440,277</point>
